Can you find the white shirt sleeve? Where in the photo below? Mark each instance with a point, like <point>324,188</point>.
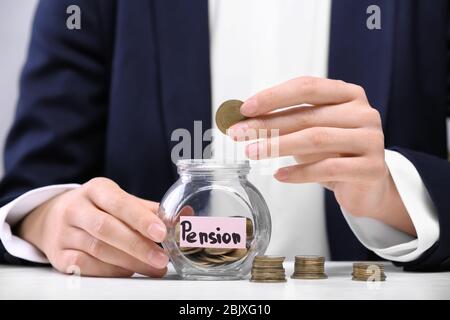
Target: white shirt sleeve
<point>388,242</point>
<point>16,210</point>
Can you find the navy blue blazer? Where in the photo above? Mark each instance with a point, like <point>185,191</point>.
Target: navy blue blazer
<point>103,100</point>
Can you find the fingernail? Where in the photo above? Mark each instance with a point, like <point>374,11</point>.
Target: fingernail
<point>158,259</point>
<point>252,151</point>
<point>249,107</point>
<point>238,130</point>
<point>157,232</point>
<point>282,174</point>
<point>240,126</point>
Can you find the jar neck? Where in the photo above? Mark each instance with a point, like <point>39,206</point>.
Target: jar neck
<point>211,170</point>
<point>212,176</point>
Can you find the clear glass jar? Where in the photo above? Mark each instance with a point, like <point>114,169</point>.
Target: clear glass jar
<point>217,221</point>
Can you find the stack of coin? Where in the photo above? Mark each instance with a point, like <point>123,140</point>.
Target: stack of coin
<point>309,267</point>
<point>368,271</point>
<point>268,269</point>
<point>216,256</point>
<point>229,114</point>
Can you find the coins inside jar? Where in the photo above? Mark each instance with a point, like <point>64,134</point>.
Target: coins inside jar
<point>229,114</point>
<point>216,256</point>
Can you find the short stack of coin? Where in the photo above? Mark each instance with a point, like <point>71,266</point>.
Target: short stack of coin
<point>309,267</point>
<point>268,269</point>
<point>368,271</point>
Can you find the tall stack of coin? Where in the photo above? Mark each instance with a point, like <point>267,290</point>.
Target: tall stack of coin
<point>215,256</point>
<point>309,267</point>
<point>229,114</point>
<point>368,271</point>
<point>268,269</point>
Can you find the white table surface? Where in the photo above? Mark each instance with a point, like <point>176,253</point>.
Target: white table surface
<point>45,283</point>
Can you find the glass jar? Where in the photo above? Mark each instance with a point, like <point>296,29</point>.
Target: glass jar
<point>217,221</point>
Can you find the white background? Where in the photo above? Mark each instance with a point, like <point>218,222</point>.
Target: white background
<point>15,27</point>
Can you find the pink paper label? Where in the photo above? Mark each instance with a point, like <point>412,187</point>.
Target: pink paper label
<point>212,232</point>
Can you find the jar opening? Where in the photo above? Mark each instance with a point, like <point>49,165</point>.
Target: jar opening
<point>205,166</point>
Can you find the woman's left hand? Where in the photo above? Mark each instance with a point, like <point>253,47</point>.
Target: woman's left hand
<point>336,138</point>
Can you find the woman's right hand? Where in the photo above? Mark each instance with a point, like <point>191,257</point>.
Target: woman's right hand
<point>99,230</point>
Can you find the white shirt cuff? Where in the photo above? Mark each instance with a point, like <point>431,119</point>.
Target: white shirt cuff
<point>16,210</point>
<point>388,242</point>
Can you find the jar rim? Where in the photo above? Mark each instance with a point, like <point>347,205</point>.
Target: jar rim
<point>205,165</point>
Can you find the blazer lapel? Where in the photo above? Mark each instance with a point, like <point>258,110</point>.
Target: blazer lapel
<point>182,43</point>
<point>360,55</point>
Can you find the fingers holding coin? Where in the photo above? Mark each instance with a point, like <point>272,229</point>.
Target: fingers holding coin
<point>335,136</point>
<point>338,121</point>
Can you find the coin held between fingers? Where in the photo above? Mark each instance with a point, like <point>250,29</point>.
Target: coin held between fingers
<point>229,114</point>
